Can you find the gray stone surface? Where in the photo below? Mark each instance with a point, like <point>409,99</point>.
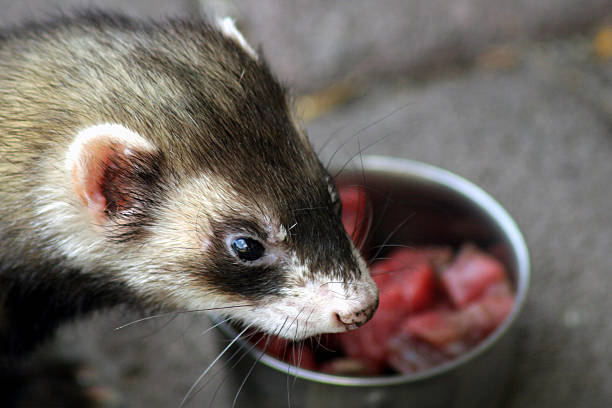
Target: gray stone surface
<point>15,11</point>
<point>311,42</point>
<point>152,363</point>
<point>538,137</point>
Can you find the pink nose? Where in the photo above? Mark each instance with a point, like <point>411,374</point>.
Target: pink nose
<point>353,320</point>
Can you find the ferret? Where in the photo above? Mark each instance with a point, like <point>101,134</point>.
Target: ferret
<point>161,165</point>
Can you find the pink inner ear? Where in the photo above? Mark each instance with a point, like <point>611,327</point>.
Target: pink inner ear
<point>88,174</point>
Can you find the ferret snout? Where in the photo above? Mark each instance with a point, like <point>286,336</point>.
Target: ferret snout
<point>356,306</point>
<point>355,319</point>
<point>339,306</point>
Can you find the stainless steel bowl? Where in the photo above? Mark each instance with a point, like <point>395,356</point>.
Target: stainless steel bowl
<point>443,208</point>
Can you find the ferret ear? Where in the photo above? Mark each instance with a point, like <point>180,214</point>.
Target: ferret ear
<point>227,25</point>
<point>111,168</point>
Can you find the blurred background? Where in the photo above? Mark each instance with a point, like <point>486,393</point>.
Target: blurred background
<point>514,95</point>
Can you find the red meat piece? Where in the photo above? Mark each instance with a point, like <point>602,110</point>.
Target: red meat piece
<point>470,274</point>
<point>409,355</point>
<point>418,326</point>
<point>452,331</point>
<point>368,342</point>
<point>407,290</point>
<point>484,315</point>
<point>406,281</point>
<point>418,287</point>
<point>356,213</point>
<point>437,256</point>
<point>438,327</point>
<point>406,285</point>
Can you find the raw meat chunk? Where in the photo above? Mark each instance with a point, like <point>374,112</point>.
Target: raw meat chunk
<point>470,274</point>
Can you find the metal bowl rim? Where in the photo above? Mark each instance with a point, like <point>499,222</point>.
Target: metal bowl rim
<point>414,169</point>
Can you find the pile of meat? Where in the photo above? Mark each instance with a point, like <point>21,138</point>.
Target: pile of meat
<point>435,303</point>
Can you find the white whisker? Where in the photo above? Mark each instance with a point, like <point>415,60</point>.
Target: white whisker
<point>195,384</point>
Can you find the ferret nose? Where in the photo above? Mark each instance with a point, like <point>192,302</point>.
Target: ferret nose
<point>353,320</point>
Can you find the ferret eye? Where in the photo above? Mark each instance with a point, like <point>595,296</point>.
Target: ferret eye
<point>247,249</point>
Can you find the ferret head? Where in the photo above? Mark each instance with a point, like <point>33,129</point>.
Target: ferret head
<point>206,194</point>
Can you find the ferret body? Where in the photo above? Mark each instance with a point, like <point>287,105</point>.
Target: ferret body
<point>160,165</point>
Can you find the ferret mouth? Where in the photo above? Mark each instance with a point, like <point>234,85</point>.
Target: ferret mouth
<point>295,326</point>
<point>314,310</point>
<point>306,324</point>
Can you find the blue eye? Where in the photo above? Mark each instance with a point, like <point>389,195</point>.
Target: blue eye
<point>247,249</point>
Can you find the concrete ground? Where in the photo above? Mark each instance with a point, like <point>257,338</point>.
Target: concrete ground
<point>524,110</point>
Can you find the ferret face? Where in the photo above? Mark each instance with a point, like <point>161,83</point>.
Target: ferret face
<point>264,242</point>
<point>205,194</point>
<point>284,254</point>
